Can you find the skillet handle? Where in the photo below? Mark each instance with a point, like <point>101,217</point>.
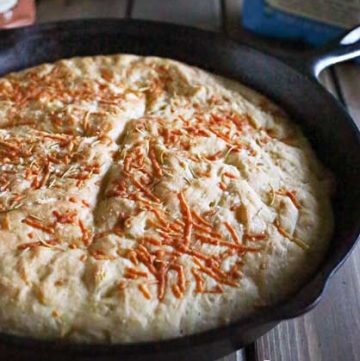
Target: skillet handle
<point>346,47</point>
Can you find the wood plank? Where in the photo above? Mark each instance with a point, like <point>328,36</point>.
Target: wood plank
<point>204,14</point>
<point>231,12</point>
<point>349,81</point>
<point>330,332</point>
<point>236,356</point>
<point>327,80</point>
<point>52,10</point>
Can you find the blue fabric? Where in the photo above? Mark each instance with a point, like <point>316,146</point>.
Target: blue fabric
<point>265,20</point>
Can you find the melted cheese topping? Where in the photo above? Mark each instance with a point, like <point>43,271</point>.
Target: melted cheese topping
<point>143,199</point>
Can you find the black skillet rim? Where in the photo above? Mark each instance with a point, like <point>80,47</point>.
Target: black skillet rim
<point>292,307</point>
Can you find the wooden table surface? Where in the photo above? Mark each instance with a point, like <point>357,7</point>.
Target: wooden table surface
<point>331,332</point>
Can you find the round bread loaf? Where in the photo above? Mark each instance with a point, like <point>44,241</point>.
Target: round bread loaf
<point>143,199</point>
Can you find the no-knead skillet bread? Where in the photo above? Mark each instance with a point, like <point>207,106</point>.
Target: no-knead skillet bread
<point>143,199</point>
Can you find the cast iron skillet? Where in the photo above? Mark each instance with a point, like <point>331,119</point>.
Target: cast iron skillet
<point>290,83</point>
